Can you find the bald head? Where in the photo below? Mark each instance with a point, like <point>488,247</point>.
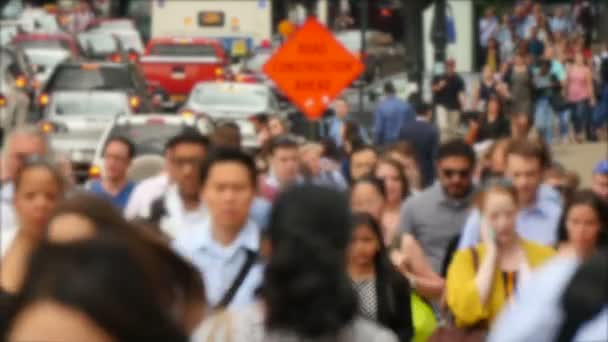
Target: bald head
<point>21,144</point>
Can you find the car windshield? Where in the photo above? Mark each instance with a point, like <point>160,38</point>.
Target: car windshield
<point>47,44</point>
<point>148,138</point>
<point>98,43</point>
<point>96,104</point>
<point>233,95</point>
<point>183,50</point>
<point>90,77</point>
<point>47,58</point>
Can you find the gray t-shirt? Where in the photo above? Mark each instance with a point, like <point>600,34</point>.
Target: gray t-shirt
<point>247,325</point>
<point>434,220</point>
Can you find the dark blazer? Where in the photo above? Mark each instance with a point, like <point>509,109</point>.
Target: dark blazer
<point>394,303</point>
<point>425,138</point>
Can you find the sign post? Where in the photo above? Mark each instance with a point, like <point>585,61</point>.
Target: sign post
<point>312,68</point>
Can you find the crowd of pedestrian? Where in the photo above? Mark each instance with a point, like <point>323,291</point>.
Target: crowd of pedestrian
<point>541,70</point>
<point>407,238</point>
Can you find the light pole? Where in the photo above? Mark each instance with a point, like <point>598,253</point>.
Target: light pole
<point>414,52</point>
<point>439,32</point>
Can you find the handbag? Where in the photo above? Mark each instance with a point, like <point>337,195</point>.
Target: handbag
<point>449,332</point>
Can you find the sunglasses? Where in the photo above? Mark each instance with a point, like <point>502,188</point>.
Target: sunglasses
<point>450,173</point>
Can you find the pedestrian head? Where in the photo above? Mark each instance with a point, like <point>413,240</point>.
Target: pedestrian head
<point>185,153</point>
<point>389,88</point>
<point>494,105</point>
<point>497,204</point>
<point>176,283</point>
<point>599,181</point>
<point>39,186</point>
<point>368,195</point>
<point>450,66</point>
<point>362,161</point>
<point>20,144</point>
<point>395,181</point>
<point>405,153</point>
<point>584,223</point>
<point>229,180</point>
<point>367,244</point>
<point>423,109</point>
<point>525,165</point>
<point>284,159</point>
<point>277,126</point>
<point>309,232</point>
<point>93,290</point>
<point>455,164</point>
<point>118,154</point>
<point>341,108</point>
<point>310,157</point>
<point>227,135</point>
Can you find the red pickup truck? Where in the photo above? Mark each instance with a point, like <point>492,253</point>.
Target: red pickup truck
<point>175,65</point>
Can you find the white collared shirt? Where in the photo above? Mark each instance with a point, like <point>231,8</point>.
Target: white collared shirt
<point>8,221</point>
<point>219,264</point>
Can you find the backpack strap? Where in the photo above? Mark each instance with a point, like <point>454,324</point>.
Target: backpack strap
<point>238,280</point>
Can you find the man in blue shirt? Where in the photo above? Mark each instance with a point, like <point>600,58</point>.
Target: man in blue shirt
<point>227,242</point>
<point>391,114</point>
<point>540,206</point>
<point>114,185</point>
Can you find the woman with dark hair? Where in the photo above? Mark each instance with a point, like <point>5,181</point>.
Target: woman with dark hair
<point>397,190</point>
<point>493,125</point>
<point>177,284</point>
<point>89,291</point>
<point>306,294</point>
<point>384,294</point>
<point>584,225</point>
<point>39,186</point>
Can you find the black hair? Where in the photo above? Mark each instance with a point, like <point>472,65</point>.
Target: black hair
<point>456,148</point>
<point>187,136</point>
<point>309,231</point>
<point>225,155</point>
<point>352,131</point>
<point>228,135</point>
<point>41,163</point>
<point>381,259</point>
<point>590,199</point>
<point>389,88</point>
<point>422,108</point>
<point>104,280</point>
<point>123,140</point>
<point>585,296</point>
<point>282,142</point>
<point>374,181</point>
<point>176,282</point>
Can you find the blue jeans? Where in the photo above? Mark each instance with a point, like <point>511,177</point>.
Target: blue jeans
<point>581,118</point>
<point>543,118</point>
<point>564,122</point>
<point>600,115</point>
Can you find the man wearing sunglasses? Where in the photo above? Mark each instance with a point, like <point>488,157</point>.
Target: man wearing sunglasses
<point>540,205</point>
<point>20,145</point>
<point>434,217</point>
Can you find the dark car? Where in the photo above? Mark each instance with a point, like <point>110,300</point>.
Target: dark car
<point>99,76</point>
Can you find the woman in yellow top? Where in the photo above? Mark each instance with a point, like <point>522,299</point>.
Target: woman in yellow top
<point>481,280</point>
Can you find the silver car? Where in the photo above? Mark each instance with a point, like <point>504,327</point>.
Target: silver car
<point>232,101</point>
<point>76,120</point>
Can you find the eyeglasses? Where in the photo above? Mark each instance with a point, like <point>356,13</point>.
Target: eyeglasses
<point>450,173</point>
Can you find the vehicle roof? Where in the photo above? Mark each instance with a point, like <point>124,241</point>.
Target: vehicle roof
<point>185,39</point>
<point>42,36</point>
<point>230,84</point>
<point>142,119</point>
<point>102,64</point>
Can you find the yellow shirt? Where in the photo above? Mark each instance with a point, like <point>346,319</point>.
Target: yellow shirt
<point>462,294</point>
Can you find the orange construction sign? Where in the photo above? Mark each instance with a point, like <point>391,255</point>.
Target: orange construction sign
<point>312,68</point>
